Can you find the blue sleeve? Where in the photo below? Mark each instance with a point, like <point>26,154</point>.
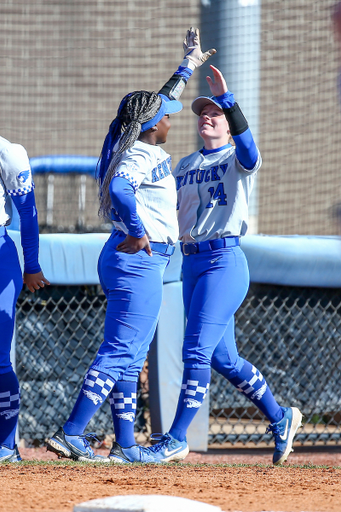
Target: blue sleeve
<point>123,200</point>
<point>186,73</point>
<point>246,149</point>
<point>226,100</point>
<point>29,231</point>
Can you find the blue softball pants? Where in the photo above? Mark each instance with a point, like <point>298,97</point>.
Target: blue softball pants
<point>133,285</point>
<point>215,284</point>
<point>11,283</point>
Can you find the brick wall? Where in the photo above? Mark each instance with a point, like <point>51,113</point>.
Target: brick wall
<point>66,65</point>
<point>300,121</point>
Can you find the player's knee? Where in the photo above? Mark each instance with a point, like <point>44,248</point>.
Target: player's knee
<point>229,369</point>
<point>196,361</point>
<point>195,356</point>
<point>131,375</point>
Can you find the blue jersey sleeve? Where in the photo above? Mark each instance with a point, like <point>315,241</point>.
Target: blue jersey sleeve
<point>186,73</point>
<point>29,231</point>
<point>124,202</point>
<point>246,149</point>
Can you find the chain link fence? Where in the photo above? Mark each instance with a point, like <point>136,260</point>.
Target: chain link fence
<point>291,334</point>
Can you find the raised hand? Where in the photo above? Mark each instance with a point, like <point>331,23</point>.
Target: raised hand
<point>218,84</point>
<point>192,48</point>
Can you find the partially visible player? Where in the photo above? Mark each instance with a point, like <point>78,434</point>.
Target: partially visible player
<point>137,191</point>
<point>15,185</point>
<point>214,186</point>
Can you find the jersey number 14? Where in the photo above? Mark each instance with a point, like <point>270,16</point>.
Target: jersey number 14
<point>217,194</point>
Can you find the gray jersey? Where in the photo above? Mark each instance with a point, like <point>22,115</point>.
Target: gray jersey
<point>213,195</point>
<point>15,177</point>
<point>148,169</point>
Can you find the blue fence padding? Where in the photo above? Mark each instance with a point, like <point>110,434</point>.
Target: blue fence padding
<point>281,260</point>
<point>310,261</point>
<point>64,164</point>
<point>71,259</point>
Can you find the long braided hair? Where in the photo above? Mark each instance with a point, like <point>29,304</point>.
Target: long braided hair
<point>135,109</point>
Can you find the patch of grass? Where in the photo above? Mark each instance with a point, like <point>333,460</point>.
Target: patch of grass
<point>71,463</point>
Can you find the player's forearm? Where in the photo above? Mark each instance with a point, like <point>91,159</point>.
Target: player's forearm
<point>235,117</point>
<point>246,149</point>
<point>124,202</point>
<point>175,86</point>
<point>29,231</point>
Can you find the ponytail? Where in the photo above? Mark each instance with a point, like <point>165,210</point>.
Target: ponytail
<point>135,109</point>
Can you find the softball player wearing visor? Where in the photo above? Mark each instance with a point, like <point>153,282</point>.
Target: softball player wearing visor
<point>137,191</point>
<point>213,187</point>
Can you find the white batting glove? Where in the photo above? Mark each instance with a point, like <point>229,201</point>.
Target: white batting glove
<point>194,57</point>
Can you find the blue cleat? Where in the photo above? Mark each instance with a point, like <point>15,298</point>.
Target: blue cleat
<point>167,450</point>
<point>284,432</point>
<point>73,447</point>
<point>8,455</point>
<point>135,453</point>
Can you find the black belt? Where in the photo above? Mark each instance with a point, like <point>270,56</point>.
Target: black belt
<point>209,245</point>
<point>163,248</point>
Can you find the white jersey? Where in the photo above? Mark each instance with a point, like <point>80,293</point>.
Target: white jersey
<point>213,195</point>
<point>148,168</point>
<point>15,177</point>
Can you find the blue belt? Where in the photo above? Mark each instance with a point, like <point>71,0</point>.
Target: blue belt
<point>163,248</point>
<point>209,245</point>
<point>2,231</point>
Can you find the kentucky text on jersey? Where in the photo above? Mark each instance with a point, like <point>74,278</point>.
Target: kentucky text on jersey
<point>201,175</point>
<point>162,170</point>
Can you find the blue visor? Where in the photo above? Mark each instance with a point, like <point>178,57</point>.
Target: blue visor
<point>167,107</point>
<point>172,106</point>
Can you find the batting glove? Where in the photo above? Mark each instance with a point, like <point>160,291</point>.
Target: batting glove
<point>194,57</point>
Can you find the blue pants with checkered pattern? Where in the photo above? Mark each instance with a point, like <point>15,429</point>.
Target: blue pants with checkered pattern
<point>133,285</point>
<point>215,284</point>
<point>11,283</point>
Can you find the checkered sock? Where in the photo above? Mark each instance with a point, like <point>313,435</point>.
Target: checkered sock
<point>252,384</point>
<point>9,408</point>
<point>96,387</point>
<point>195,384</point>
<point>123,408</point>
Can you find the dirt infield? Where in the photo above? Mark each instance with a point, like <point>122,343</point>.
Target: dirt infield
<point>216,477</point>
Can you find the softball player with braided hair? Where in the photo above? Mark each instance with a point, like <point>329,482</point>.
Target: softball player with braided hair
<point>214,186</point>
<point>137,192</point>
<point>15,185</point>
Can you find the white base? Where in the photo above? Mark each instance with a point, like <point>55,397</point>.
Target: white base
<point>141,503</point>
